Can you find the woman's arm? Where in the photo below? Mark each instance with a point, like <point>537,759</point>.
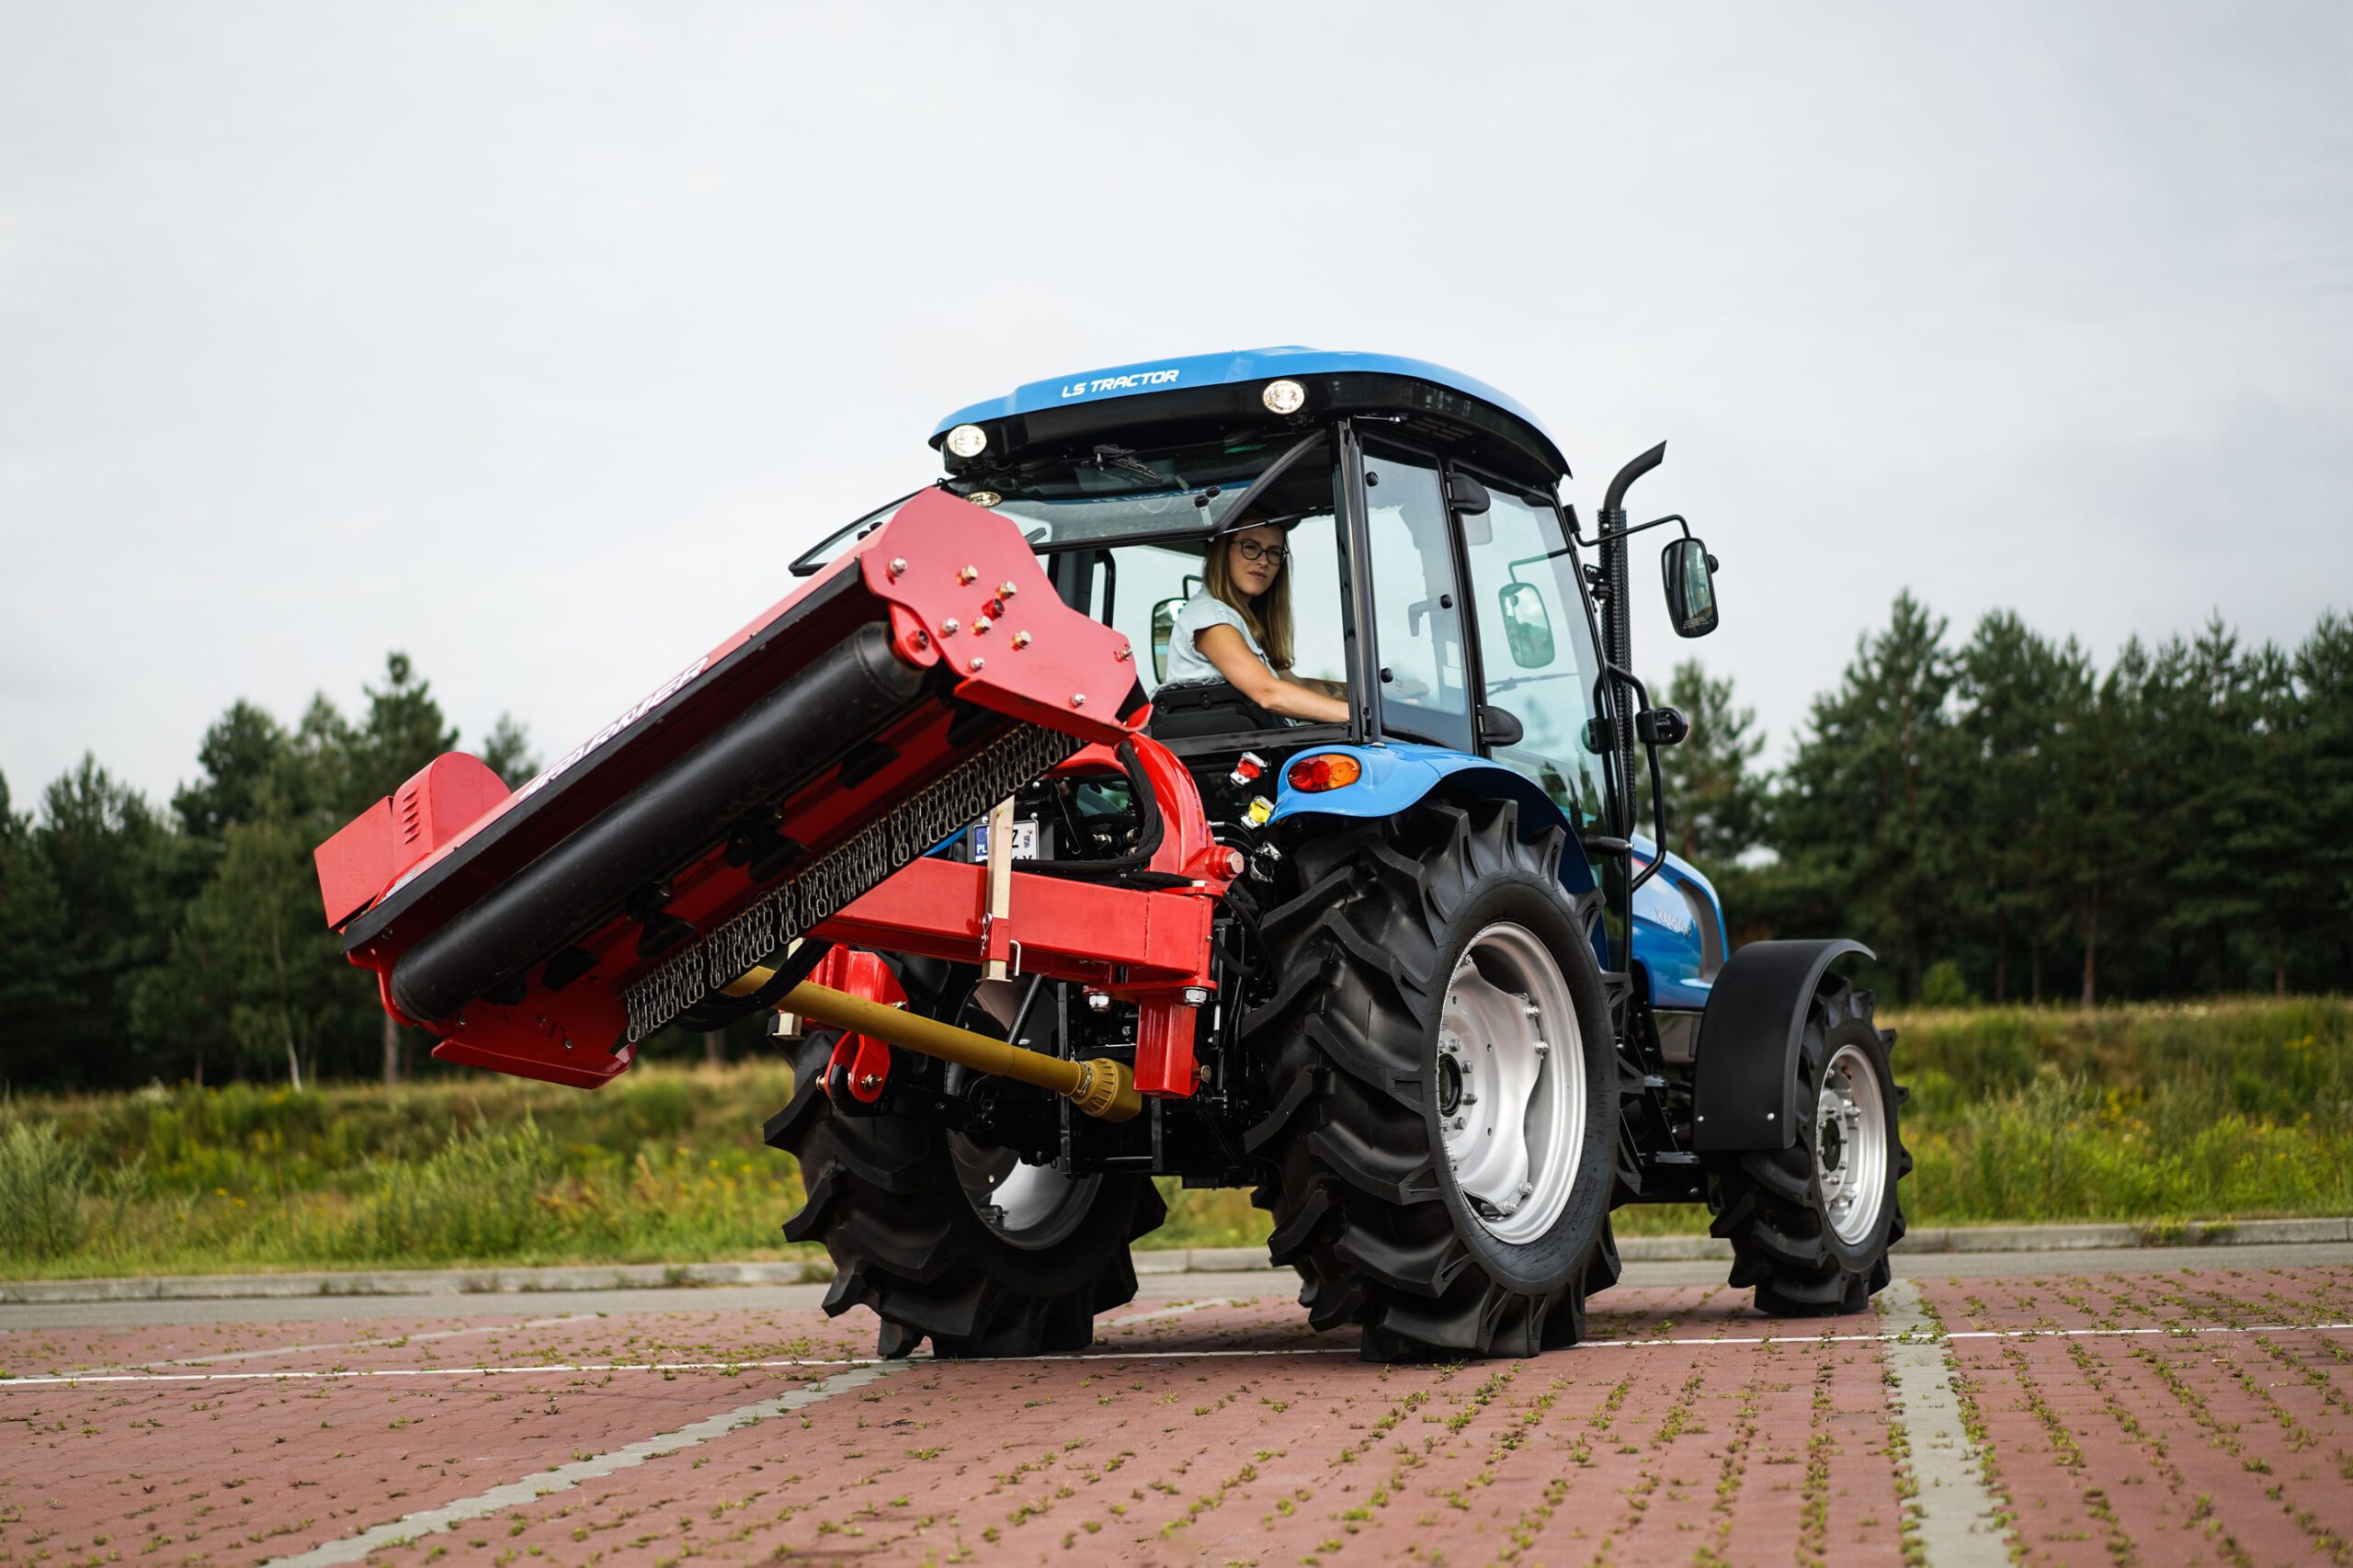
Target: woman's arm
<point>1223,646</point>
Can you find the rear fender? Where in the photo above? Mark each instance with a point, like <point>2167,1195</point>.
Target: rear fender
<point>1745,1083</point>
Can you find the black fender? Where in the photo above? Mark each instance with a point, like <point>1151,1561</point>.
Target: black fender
<point>1744,1073</point>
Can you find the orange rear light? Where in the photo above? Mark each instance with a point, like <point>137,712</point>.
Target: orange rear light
<point>1325,770</point>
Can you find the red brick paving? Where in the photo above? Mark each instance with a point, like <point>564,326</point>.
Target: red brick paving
<point>2217,1448</point>
<point>2176,1447</point>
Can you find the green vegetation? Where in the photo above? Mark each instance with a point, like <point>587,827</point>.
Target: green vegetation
<point>1997,818</point>
<point>2211,1110</point>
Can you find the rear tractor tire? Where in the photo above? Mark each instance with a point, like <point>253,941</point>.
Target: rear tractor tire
<point>1810,1225</point>
<point>1444,1081</point>
<point>950,1240</point>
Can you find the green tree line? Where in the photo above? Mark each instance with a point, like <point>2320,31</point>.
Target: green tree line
<point>189,943</point>
<point>1999,819</point>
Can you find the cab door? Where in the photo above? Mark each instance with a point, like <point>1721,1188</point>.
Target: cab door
<point>1536,652</point>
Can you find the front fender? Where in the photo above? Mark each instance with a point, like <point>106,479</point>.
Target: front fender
<point>1744,1077</point>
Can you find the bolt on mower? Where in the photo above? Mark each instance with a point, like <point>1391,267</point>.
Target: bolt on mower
<point>1232,770</point>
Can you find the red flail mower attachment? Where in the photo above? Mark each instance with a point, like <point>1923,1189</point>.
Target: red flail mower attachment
<point>771,791</point>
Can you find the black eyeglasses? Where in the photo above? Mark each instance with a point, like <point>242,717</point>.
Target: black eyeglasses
<point>1253,550</point>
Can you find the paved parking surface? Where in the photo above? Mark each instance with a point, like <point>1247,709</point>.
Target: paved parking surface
<point>2180,1415</point>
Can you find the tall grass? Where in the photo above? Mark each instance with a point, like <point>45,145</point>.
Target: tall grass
<point>2215,1111</point>
<point>43,1180</point>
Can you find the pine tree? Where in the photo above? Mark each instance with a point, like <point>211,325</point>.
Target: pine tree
<point>2102,855</point>
<point>2324,675</point>
<point>32,925</point>
<point>102,849</point>
<point>405,729</point>
<point>1715,801</point>
<point>2211,715</point>
<point>1870,791</point>
<point>507,750</point>
<point>239,753</point>
<point>2017,694</point>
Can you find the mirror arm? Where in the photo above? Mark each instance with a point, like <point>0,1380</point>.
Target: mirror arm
<point>1658,787</point>
<point>1641,528</point>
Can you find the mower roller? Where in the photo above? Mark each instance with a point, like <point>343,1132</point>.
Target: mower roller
<point>1036,923</point>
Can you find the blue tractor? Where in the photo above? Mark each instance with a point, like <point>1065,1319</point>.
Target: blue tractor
<point>1231,771</point>
<point>1462,1006</point>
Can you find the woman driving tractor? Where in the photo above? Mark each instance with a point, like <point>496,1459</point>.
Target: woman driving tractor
<point>1238,629</point>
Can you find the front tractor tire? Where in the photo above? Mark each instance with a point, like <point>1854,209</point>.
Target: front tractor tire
<point>950,1240</point>
<point>1444,1081</point>
<point>1810,1225</point>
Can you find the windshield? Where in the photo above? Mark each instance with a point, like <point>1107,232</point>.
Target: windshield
<point>1108,492</point>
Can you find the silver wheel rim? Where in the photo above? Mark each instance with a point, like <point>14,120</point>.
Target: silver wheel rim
<point>1850,1144</point>
<point>1511,1089</point>
<point>1030,1206</point>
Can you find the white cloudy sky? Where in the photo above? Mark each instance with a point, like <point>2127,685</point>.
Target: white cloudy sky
<point>534,339</point>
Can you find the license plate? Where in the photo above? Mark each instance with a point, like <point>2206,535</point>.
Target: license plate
<point>1024,840</point>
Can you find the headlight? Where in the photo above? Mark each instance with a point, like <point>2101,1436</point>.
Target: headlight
<point>985,497</point>
<point>1283,397</point>
<point>967,440</point>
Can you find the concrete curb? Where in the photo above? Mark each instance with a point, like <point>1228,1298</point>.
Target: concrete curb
<point>1167,1260</point>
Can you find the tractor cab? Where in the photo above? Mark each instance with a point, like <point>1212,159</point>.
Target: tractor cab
<point>1430,577</point>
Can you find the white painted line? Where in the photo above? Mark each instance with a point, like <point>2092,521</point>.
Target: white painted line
<point>1186,1309</point>
<point>1927,1331</point>
<point>563,1478</point>
<point>1957,1516</point>
<point>340,1374</point>
<point>344,1374</point>
<point>353,1344</point>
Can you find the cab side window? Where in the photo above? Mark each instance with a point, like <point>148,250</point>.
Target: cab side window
<point>1536,650</point>
<point>1417,626</point>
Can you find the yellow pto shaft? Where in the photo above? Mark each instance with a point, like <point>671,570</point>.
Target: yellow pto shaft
<point>1101,1087</point>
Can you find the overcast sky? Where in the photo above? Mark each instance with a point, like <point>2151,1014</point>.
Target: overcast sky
<point>535,340</point>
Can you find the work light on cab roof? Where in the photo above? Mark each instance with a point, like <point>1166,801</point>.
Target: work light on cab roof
<point>1058,861</point>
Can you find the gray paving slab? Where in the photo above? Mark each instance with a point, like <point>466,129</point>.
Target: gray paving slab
<point>1237,1283</point>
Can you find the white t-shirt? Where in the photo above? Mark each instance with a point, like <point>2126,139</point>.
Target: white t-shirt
<point>1187,664</point>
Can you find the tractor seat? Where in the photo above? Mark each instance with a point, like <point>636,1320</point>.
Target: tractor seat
<point>1205,708</point>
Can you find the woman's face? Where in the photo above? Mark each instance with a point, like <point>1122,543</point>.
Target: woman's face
<point>1255,578</point>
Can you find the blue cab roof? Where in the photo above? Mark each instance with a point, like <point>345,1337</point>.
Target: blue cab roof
<point>1221,369</point>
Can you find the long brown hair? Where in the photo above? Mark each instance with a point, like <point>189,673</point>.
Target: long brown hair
<point>1269,615</point>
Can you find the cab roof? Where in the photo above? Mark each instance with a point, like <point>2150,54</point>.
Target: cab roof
<point>1240,367</point>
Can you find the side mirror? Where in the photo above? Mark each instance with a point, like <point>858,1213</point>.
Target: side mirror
<point>1527,625</point>
<point>1690,588</point>
<point>1164,626</point>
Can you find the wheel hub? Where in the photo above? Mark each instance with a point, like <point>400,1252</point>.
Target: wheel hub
<point>1510,1083</point>
<point>1850,1144</point>
<point>1029,1205</point>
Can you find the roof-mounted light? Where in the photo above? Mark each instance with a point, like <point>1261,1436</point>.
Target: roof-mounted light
<point>967,440</point>
<point>1284,397</point>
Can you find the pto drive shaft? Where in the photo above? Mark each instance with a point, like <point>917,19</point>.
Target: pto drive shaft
<point>1101,1087</point>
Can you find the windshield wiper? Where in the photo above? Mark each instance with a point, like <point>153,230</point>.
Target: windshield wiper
<point>1122,459</point>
